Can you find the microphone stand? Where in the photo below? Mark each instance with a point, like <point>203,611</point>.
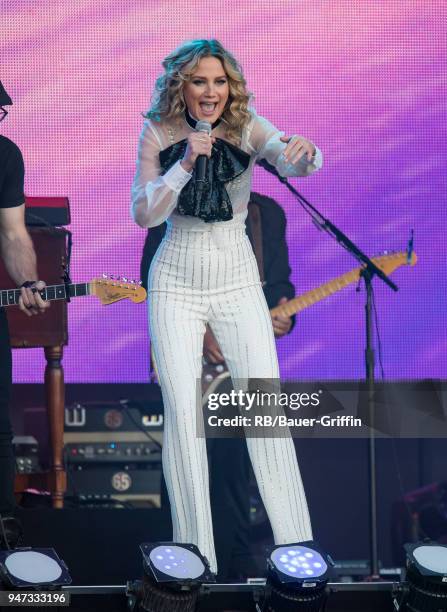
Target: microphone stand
<point>369,271</point>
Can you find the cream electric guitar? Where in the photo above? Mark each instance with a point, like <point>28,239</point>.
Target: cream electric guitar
<point>106,289</point>
<point>213,375</point>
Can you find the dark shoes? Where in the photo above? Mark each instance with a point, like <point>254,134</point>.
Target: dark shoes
<point>11,532</point>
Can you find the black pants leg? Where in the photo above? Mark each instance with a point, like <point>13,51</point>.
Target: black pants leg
<point>7,464</point>
<point>230,506</point>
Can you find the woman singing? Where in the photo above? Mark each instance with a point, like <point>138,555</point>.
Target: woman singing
<point>205,272</point>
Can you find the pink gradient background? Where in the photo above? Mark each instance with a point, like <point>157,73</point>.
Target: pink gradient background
<point>364,80</point>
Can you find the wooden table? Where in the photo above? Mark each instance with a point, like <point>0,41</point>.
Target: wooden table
<point>50,332</point>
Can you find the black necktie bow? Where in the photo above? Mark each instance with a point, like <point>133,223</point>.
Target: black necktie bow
<point>208,200</point>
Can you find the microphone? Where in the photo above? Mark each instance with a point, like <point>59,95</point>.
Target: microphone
<point>410,247</point>
<point>202,160</point>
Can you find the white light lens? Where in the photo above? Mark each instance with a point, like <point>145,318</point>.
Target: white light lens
<point>433,558</point>
<point>192,566</point>
<point>33,567</point>
<point>293,562</point>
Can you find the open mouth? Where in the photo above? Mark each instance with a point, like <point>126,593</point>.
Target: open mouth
<point>208,107</point>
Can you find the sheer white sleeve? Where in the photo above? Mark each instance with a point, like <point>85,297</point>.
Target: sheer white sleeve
<point>264,140</point>
<point>154,197</point>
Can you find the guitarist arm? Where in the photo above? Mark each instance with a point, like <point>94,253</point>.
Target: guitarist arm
<point>276,259</point>
<point>19,257</point>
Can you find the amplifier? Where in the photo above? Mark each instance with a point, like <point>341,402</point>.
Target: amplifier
<point>26,452</point>
<point>122,416</point>
<point>113,451</point>
<point>114,480</point>
<point>47,211</point>
<point>84,453</point>
<point>108,437</point>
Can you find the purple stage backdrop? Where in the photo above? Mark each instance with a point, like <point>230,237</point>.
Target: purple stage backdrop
<point>365,80</point>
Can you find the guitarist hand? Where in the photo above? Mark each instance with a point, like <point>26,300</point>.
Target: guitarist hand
<point>31,302</point>
<point>211,349</point>
<point>281,325</point>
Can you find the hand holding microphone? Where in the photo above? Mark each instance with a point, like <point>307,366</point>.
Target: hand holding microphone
<point>198,149</point>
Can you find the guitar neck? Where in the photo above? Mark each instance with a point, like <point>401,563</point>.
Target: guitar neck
<point>10,297</point>
<point>316,295</point>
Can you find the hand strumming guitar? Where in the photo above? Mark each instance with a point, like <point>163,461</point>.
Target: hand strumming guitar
<point>211,349</point>
<point>281,325</point>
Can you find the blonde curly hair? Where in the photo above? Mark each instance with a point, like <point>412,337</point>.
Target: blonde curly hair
<point>167,99</point>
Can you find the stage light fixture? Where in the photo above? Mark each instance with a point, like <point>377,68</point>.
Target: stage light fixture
<point>28,568</point>
<point>297,577</point>
<point>173,576</point>
<point>426,578</point>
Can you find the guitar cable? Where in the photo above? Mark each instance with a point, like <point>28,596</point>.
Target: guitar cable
<point>125,404</point>
<point>379,341</point>
<point>398,471</point>
<point>5,538</point>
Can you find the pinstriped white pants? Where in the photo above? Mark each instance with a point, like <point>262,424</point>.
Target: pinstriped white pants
<point>207,273</point>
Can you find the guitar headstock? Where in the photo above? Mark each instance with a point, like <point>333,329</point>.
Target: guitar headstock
<point>391,261</point>
<point>111,289</point>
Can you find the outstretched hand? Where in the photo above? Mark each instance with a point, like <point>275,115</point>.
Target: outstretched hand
<point>297,146</point>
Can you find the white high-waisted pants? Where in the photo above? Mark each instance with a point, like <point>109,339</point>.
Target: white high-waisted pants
<point>207,273</point>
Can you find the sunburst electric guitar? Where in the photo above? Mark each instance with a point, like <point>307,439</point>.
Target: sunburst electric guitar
<point>108,290</point>
<point>213,375</point>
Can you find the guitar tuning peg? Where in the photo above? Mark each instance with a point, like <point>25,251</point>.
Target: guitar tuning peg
<point>140,282</point>
<point>124,279</point>
<point>134,282</point>
<point>104,276</point>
